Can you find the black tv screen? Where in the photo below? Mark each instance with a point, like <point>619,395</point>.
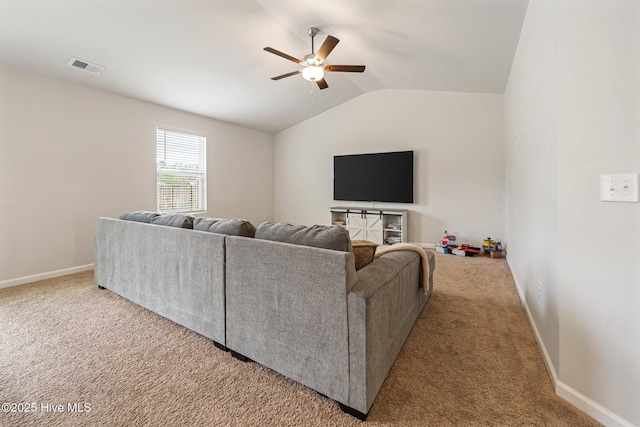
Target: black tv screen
<point>379,177</point>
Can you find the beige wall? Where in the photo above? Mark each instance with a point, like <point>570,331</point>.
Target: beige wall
<point>458,166</point>
<point>571,114</point>
<point>531,167</point>
<point>69,154</point>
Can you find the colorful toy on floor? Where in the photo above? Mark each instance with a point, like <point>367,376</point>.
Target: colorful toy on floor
<point>465,250</point>
<point>446,247</point>
<point>443,246</point>
<point>492,248</point>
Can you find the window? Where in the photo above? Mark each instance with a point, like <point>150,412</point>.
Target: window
<point>181,172</point>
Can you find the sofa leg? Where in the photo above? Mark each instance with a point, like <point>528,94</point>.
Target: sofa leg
<point>353,412</point>
<point>220,346</point>
<point>239,356</point>
<point>101,287</point>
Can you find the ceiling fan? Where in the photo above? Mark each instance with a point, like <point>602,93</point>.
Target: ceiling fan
<point>313,64</point>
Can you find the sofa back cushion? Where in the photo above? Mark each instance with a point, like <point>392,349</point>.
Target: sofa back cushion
<point>319,236</point>
<point>139,216</point>
<point>174,220</point>
<point>230,227</point>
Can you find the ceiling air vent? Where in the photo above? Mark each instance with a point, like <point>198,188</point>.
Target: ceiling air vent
<point>86,66</point>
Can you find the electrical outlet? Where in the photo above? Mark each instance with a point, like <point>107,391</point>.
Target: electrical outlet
<point>539,291</point>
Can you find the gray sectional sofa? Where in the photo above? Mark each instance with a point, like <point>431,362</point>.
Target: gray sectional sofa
<point>289,298</point>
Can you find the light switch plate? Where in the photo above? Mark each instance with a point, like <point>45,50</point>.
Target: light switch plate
<point>619,187</point>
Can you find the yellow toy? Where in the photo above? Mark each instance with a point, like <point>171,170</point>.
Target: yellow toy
<point>492,248</point>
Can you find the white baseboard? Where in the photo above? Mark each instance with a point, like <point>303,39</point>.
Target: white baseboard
<point>594,409</point>
<point>42,276</point>
<point>551,370</point>
<point>577,399</point>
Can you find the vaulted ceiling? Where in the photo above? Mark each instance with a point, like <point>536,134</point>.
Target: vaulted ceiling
<point>206,56</point>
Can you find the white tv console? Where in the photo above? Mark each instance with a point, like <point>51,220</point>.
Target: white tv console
<point>381,226</point>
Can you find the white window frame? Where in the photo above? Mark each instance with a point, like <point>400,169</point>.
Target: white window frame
<point>181,171</point>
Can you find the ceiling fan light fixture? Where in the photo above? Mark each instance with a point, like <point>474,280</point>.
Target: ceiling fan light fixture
<point>313,73</point>
<point>313,67</point>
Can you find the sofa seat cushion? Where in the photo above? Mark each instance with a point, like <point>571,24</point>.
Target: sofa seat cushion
<point>363,251</point>
<point>319,236</point>
<point>174,220</point>
<point>230,227</point>
<point>139,216</point>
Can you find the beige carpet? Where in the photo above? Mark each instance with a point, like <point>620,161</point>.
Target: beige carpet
<point>470,360</point>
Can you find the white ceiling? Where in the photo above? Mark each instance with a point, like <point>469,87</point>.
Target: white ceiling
<point>206,56</point>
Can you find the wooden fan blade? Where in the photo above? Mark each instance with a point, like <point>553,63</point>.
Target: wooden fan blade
<point>322,84</point>
<point>283,55</point>
<point>293,73</point>
<point>326,48</point>
<point>345,68</point>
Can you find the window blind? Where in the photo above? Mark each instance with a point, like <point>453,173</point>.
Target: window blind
<point>181,166</point>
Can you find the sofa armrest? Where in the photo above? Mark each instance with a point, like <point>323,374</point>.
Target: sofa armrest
<point>383,306</point>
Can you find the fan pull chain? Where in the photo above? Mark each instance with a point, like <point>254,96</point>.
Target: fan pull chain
<point>313,102</point>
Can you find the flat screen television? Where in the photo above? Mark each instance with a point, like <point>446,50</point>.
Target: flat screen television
<point>379,177</point>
